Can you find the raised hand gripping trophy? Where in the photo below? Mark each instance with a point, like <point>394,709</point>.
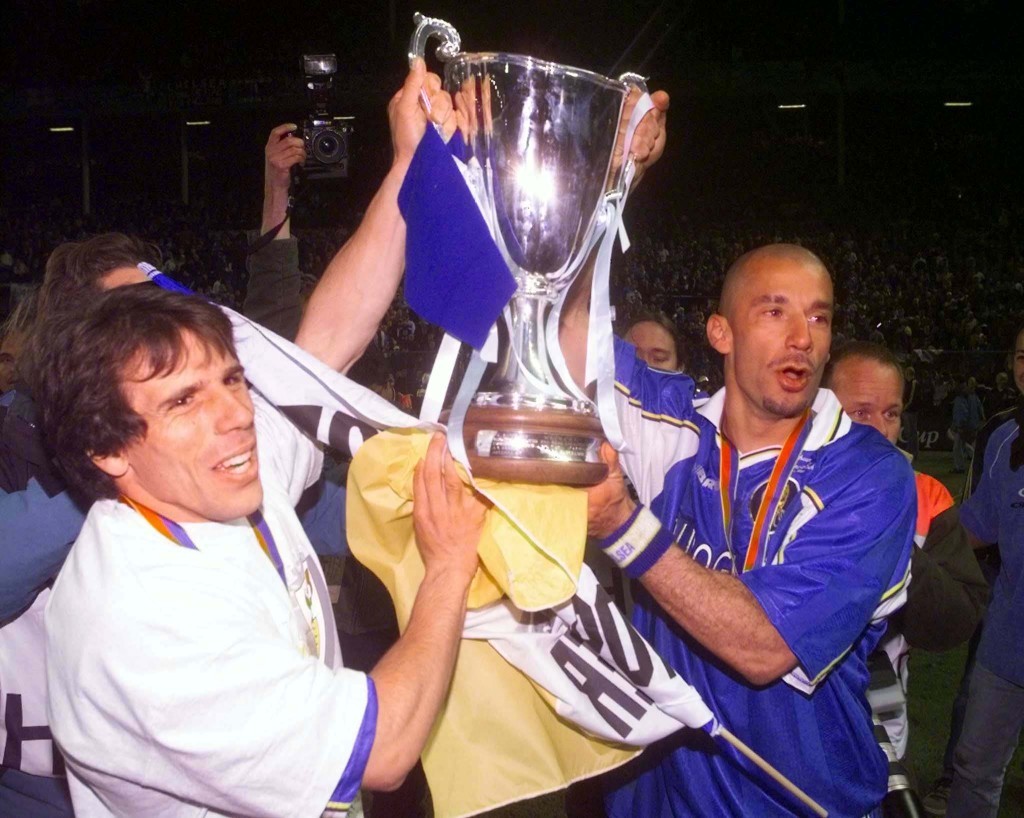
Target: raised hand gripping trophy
<point>540,141</point>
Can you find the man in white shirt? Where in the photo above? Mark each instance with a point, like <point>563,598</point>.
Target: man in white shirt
<point>193,664</point>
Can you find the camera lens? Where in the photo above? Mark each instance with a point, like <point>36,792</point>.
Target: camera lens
<point>328,147</point>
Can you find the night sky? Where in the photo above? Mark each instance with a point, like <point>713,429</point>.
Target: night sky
<point>727,64</point>
<point>59,41</point>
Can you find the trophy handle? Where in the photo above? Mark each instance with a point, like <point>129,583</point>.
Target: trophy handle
<point>633,79</point>
<point>427,27</point>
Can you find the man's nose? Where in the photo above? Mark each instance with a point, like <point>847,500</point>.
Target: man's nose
<point>799,333</point>
<point>234,410</point>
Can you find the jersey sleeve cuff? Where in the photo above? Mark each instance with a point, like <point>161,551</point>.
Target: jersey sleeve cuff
<point>638,543</point>
<point>348,785</point>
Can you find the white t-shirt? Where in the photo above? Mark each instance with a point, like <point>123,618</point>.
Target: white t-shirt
<point>179,680</point>
<point>23,676</point>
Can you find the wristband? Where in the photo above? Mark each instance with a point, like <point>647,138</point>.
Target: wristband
<point>638,543</point>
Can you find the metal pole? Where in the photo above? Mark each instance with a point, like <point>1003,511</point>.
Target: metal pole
<point>773,773</point>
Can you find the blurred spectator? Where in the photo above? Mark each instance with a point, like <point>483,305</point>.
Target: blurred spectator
<point>13,333</point>
<point>656,342</point>
<point>968,417</point>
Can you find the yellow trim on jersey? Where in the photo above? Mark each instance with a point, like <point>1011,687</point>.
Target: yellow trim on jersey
<point>888,594</point>
<point>339,806</point>
<point>680,422</point>
<point>835,426</point>
<point>898,586</point>
<point>814,497</point>
<point>831,665</point>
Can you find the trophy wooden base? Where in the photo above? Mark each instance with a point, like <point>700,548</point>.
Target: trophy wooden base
<point>533,446</point>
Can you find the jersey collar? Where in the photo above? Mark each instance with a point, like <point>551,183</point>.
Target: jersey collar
<point>828,423</point>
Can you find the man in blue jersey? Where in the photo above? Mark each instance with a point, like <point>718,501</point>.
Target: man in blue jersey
<point>773,538</point>
<point>994,512</point>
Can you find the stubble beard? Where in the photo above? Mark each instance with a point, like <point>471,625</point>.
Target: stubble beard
<point>785,410</point>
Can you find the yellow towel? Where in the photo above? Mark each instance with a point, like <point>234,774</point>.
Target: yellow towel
<point>497,740</point>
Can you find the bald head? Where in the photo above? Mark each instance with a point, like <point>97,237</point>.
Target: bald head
<point>773,329</point>
<point>760,260</point>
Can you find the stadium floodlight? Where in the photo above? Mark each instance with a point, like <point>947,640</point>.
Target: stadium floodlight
<point>196,122</point>
<point>962,104</point>
<point>62,129</point>
<point>792,107</point>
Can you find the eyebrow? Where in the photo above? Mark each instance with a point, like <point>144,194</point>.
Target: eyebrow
<point>779,298</point>
<point>237,369</point>
<point>184,392</point>
<point>192,388</point>
<point>769,298</point>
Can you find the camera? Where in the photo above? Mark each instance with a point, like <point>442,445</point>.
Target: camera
<point>326,136</point>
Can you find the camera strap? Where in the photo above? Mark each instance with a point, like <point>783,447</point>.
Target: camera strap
<point>294,189</point>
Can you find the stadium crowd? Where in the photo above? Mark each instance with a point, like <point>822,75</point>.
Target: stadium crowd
<point>968,281</point>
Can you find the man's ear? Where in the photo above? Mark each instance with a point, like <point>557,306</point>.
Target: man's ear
<point>719,334</point>
<point>116,465</point>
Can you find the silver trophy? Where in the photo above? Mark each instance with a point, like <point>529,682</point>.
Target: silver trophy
<point>540,142</point>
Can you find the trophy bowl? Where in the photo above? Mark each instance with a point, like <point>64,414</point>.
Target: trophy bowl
<point>540,138</point>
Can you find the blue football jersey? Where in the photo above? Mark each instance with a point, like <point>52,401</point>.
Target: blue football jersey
<point>835,563</point>
<point>995,513</point>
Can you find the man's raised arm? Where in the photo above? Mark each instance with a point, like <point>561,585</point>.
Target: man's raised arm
<point>360,282</point>
<point>648,145</point>
<point>715,607</point>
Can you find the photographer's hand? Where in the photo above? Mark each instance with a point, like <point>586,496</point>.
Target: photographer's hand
<point>283,151</point>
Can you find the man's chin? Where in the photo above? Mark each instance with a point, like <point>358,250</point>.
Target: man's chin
<point>790,407</point>
<point>239,506</point>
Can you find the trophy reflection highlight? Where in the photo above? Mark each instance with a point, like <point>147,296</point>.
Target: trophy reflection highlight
<point>540,140</point>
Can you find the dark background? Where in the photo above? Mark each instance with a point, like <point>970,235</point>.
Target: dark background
<point>874,76</point>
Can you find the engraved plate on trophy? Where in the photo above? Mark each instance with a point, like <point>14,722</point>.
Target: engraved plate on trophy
<point>540,139</point>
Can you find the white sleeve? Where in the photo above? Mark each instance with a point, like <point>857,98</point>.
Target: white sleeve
<point>658,421</point>
<point>287,455</point>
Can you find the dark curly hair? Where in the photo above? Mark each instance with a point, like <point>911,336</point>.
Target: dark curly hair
<point>80,364</point>
<point>75,268</point>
